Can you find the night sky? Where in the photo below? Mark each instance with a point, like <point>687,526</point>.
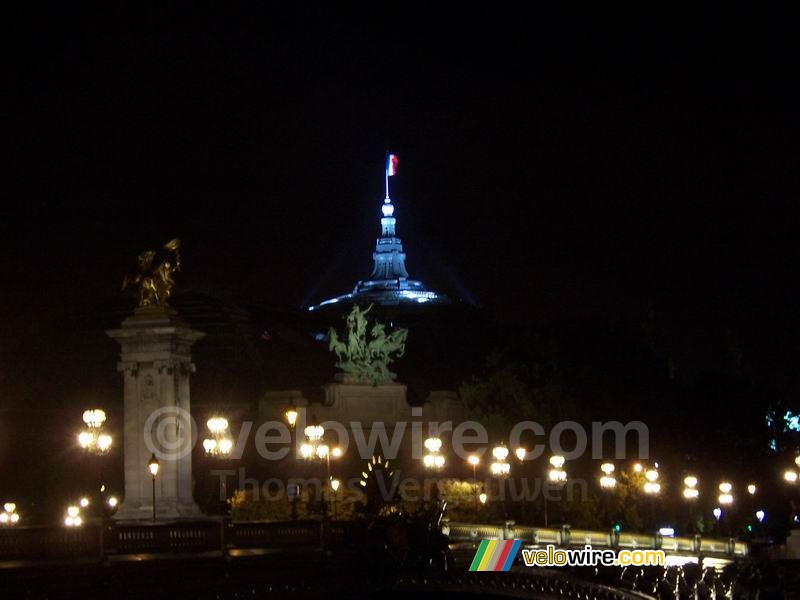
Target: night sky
<point>553,167</point>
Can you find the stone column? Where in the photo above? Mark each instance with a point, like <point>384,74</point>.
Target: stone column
<point>156,363</point>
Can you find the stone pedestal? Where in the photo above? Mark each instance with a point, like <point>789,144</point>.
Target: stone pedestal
<point>156,363</point>
<point>385,403</point>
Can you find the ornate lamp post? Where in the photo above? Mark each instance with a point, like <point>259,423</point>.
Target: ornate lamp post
<point>434,460</point>
<point>335,483</point>
<point>652,488</point>
<point>92,438</point>
<point>9,517</point>
<point>607,480</point>
<point>475,460</point>
<point>500,467</point>
<point>73,517</point>
<point>557,477</point>
<point>315,449</point>
<point>291,414</point>
<point>690,494</point>
<point>219,444</point>
<point>152,466</point>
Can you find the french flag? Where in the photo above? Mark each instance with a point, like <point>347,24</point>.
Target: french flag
<point>391,165</point>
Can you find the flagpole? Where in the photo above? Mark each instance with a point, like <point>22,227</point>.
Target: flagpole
<point>386,174</point>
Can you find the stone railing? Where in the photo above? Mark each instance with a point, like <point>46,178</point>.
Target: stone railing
<point>565,537</point>
<point>106,541</point>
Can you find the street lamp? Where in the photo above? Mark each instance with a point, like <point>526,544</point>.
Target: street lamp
<point>790,476</point>
<point>637,468</point>
<point>483,498</point>
<point>9,516</point>
<point>725,496</point>
<point>751,489</point>
<point>651,486</point>
<point>84,502</point>
<point>434,459</point>
<point>112,502</point>
<point>500,467</point>
<point>557,476</point>
<point>152,466</point>
<point>690,491</point>
<point>92,439</point>
<point>335,483</point>
<point>607,481</point>
<point>219,444</point>
<point>291,414</point>
<point>73,517</point>
<point>520,454</point>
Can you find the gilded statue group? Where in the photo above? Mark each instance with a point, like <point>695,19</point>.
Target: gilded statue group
<point>154,280</point>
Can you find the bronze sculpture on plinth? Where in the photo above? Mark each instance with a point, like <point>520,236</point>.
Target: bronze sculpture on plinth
<point>154,277</point>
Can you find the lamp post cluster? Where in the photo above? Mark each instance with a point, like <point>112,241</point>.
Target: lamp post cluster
<point>73,518</point>
<point>315,448</point>
<point>651,486</point>
<point>9,516</point>
<point>433,459</point>
<point>500,466</point>
<point>607,480</point>
<point>92,438</point>
<point>220,443</point>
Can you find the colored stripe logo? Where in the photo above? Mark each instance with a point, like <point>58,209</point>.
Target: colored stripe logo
<point>495,555</point>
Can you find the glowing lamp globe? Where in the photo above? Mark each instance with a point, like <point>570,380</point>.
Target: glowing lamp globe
<point>500,452</point>
<point>152,465</point>
<point>103,442</point>
<point>433,444</point>
<point>94,417</point>
<point>217,425</point>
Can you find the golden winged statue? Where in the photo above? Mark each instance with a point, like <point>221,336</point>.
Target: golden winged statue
<point>154,276</point>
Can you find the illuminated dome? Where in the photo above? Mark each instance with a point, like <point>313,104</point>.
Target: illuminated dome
<point>388,284</point>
